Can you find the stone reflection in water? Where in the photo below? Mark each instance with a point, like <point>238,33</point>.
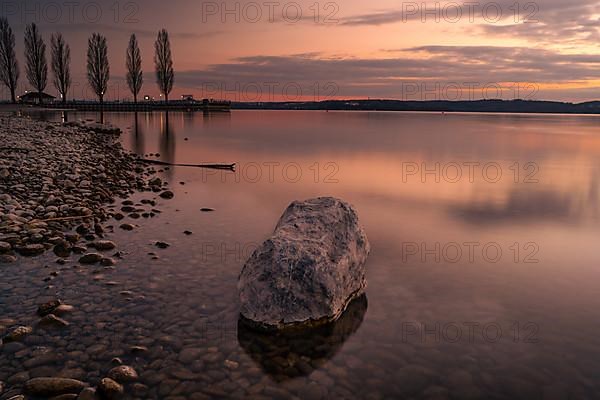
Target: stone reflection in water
<point>287,355</point>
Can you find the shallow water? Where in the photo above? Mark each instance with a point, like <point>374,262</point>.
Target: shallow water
<point>482,281</point>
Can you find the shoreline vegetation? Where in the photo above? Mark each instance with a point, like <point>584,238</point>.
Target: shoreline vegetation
<point>97,65</point>
<point>474,106</point>
<point>517,106</point>
<point>61,183</point>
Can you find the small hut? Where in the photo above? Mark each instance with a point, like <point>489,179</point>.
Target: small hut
<point>34,98</point>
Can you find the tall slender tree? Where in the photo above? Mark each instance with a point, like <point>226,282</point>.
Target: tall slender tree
<point>135,75</point>
<point>163,62</point>
<point>35,54</point>
<point>98,69</point>
<point>61,65</point>
<point>9,66</point>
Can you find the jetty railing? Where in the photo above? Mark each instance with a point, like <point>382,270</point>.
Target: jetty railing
<point>142,106</point>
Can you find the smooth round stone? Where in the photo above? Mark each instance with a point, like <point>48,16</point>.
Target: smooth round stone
<point>17,334</point>
<point>5,247</point>
<point>91,258</point>
<point>52,320</point>
<point>64,309</point>
<point>47,387</point>
<point>7,259</point>
<point>123,374</point>
<point>104,245</point>
<point>62,249</point>
<point>88,394</point>
<point>167,194</point>
<point>31,250</point>
<point>48,307</point>
<point>110,389</point>
<point>107,262</point>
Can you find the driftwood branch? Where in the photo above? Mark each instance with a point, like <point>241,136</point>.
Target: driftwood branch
<point>228,167</point>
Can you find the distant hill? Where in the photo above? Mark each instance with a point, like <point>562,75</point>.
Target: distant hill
<point>500,106</point>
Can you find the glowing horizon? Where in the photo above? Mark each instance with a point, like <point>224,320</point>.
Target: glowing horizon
<point>274,51</point>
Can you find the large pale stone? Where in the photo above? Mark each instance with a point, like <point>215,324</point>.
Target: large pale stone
<point>309,270</point>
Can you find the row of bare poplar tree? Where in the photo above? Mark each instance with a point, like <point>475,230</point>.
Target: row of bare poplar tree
<point>98,68</point>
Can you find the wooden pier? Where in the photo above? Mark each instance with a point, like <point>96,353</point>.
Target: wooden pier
<point>142,106</point>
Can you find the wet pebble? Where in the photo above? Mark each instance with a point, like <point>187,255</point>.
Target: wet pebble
<point>47,387</point>
<point>104,245</point>
<point>123,374</point>
<point>52,320</point>
<point>127,227</point>
<point>48,307</point>
<point>110,389</point>
<point>17,334</point>
<point>91,258</point>
<point>167,194</point>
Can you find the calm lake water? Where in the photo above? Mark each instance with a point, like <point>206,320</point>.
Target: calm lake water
<point>482,281</point>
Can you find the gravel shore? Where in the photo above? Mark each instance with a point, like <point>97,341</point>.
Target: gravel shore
<point>58,185</point>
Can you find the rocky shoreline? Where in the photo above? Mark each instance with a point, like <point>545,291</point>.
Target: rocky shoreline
<point>59,184</point>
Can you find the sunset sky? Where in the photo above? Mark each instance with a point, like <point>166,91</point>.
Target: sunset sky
<point>265,51</point>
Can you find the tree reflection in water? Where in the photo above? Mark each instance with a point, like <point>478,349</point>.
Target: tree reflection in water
<point>167,144</point>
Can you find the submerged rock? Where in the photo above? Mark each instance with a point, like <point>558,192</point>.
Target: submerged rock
<point>62,249</point>
<point>109,389</point>
<point>123,374</point>
<point>167,194</point>
<point>46,387</point>
<point>52,320</point>
<point>309,270</point>
<point>91,258</point>
<point>48,307</point>
<point>88,394</point>
<point>7,259</point>
<point>104,245</point>
<point>5,247</point>
<point>31,250</point>
<point>17,334</point>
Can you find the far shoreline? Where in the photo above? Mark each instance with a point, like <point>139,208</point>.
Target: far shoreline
<point>494,106</point>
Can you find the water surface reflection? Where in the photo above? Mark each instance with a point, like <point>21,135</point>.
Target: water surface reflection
<point>364,355</point>
<point>297,353</point>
